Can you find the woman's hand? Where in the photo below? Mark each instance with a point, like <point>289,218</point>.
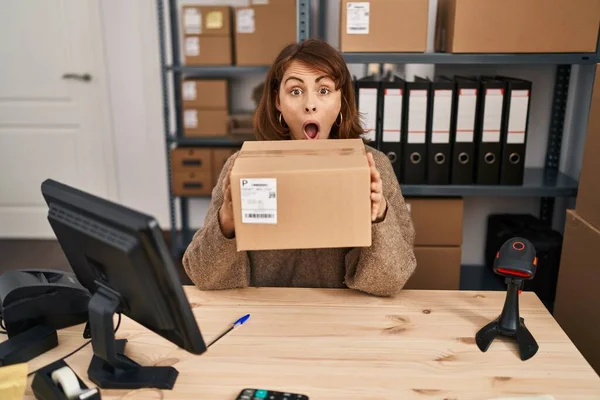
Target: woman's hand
<point>378,202</point>
<point>226,211</point>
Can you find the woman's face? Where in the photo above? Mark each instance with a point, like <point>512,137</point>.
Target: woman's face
<point>308,102</point>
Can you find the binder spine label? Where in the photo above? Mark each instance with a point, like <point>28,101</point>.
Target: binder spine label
<point>492,116</point>
<point>367,106</point>
<point>417,116</point>
<point>442,111</point>
<point>517,122</point>
<point>392,115</point>
<point>357,18</point>
<point>465,124</point>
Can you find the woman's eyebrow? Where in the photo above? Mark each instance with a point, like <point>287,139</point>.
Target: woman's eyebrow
<point>295,78</point>
<point>321,77</point>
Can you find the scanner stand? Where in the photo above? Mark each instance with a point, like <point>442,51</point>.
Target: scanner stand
<point>509,324</point>
<point>110,367</point>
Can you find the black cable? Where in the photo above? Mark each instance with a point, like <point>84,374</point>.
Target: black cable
<point>79,348</point>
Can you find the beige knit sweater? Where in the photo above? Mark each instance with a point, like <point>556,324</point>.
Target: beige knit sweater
<point>212,261</point>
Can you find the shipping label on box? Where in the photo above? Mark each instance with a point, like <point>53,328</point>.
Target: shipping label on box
<point>259,200</point>
<point>357,18</point>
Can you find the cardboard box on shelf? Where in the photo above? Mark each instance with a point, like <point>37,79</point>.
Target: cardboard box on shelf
<point>191,159</point>
<point>298,194</point>
<point>207,35</point>
<point>384,25</point>
<point>577,294</point>
<point>202,122</point>
<point>438,268</point>
<point>588,195</point>
<point>192,183</point>
<point>262,30</point>
<point>205,93</point>
<point>437,222</point>
<point>517,26</point>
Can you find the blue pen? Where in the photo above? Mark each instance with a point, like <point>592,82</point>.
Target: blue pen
<point>236,324</point>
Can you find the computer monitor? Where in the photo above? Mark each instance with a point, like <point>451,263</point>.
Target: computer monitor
<point>120,256</point>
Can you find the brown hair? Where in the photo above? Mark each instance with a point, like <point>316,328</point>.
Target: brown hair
<point>323,57</point>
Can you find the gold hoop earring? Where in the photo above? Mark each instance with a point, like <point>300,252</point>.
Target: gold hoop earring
<point>341,120</point>
<point>280,120</point>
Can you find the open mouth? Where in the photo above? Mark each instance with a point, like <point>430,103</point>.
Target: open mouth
<point>311,129</point>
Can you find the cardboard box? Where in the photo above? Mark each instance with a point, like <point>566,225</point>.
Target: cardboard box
<point>438,268</point>
<point>191,159</point>
<point>301,194</point>
<point>517,26</point>
<point>588,195</point>
<point>219,158</point>
<point>577,294</point>
<point>207,50</point>
<point>384,25</point>
<point>263,30</point>
<point>437,222</point>
<point>201,122</point>
<point>206,20</point>
<point>192,183</point>
<point>205,93</point>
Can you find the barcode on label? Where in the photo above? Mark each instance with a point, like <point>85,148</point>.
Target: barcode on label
<point>261,216</point>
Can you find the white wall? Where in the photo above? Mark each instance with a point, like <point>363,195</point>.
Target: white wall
<point>134,67</point>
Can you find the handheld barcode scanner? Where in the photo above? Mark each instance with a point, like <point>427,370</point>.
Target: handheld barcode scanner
<point>516,260</point>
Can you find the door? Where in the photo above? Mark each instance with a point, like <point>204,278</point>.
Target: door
<point>54,110</point>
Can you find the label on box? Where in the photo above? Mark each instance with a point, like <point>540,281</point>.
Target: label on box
<point>259,200</point>
<point>189,91</point>
<point>192,46</point>
<point>260,2</point>
<point>357,18</point>
<point>245,20</point>
<point>192,21</point>
<point>190,118</point>
<point>408,206</point>
<point>214,20</point>
<point>517,117</point>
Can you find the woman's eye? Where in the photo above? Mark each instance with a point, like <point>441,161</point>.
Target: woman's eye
<point>296,92</point>
<point>324,90</point>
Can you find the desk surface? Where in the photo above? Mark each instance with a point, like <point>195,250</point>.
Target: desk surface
<point>341,344</point>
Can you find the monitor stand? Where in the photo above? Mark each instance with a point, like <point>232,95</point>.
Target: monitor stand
<point>110,367</point>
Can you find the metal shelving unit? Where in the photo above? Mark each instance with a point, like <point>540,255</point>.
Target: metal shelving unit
<point>547,183</point>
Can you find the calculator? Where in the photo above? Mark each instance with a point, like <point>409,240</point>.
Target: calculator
<point>262,394</point>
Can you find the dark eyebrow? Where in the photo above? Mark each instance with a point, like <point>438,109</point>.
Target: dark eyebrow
<point>293,77</point>
<point>321,77</point>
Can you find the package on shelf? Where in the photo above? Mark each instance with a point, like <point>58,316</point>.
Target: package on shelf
<point>298,194</point>
<point>207,35</point>
<point>588,195</point>
<point>517,26</point>
<point>438,227</point>
<point>219,158</point>
<point>191,171</point>
<point>384,25</point>
<point>199,122</point>
<point>205,93</point>
<point>262,30</point>
<point>577,295</point>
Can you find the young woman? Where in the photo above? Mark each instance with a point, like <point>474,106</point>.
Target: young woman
<point>308,95</point>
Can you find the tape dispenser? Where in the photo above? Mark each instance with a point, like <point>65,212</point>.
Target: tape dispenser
<point>58,381</point>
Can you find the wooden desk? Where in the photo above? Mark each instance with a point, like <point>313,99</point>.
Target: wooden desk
<point>341,344</point>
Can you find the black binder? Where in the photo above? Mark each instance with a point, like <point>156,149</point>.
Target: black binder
<point>414,142</point>
<point>489,131</point>
<point>439,148</point>
<point>514,127</point>
<point>391,98</point>
<point>464,121</point>
<point>367,96</point>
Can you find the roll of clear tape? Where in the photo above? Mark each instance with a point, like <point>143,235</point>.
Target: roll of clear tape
<point>69,384</point>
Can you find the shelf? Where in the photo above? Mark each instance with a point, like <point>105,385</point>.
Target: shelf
<point>447,58</point>
<point>534,185</point>
<point>225,141</point>
<point>225,71</point>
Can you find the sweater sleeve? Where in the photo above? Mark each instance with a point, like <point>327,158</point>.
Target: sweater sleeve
<point>211,260</point>
<point>384,268</point>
